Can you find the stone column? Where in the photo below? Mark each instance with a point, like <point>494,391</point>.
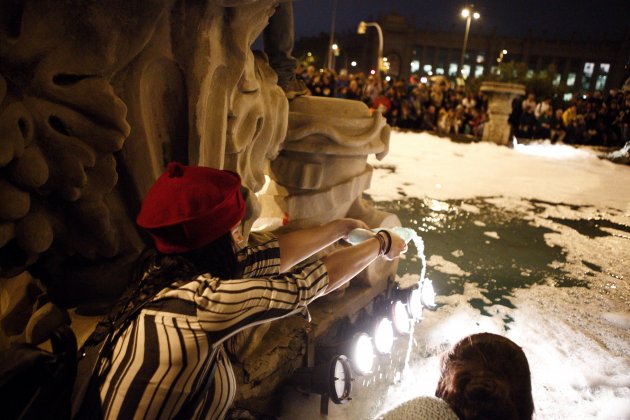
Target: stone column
<point>500,96</point>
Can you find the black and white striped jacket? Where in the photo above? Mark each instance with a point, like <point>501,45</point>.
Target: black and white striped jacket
<point>173,351</point>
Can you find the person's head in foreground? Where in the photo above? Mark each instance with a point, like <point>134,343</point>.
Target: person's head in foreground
<point>482,377</point>
<point>486,376</point>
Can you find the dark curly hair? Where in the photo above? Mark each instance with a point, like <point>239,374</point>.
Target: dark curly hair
<point>486,377</point>
<point>156,271</point>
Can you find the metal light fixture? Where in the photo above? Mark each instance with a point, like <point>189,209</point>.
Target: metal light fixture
<point>361,30</point>
<point>468,13</point>
<point>330,380</point>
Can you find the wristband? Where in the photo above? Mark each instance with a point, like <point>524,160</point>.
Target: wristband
<point>381,244</point>
<point>389,240</point>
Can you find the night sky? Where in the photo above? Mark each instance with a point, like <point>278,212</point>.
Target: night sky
<point>587,19</point>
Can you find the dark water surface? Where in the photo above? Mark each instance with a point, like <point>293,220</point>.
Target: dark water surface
<point>500,249</point>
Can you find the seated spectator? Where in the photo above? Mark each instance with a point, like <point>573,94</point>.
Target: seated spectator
<point>469,102</point>
<point>448,123</point>
<point>529,103</point>
<point>478,123</point>
<point>382,104</point>
<point>407,118</point>
<point>543,127</point>
<point>527,124</point>
<point>484,376</point>
<point>353,91</point>
<point>558,131</point>
<point>429,119</point>
<point>543,106</point>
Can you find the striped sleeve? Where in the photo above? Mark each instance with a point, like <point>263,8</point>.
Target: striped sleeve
<point>262,258</point>
<point>228,305</point>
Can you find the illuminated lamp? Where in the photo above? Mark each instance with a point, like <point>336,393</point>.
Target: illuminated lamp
<point>414,304</point>
<point>411,297</point>
<point>383,335</point>
<point>428,294</point>
<point>362,354</point>
<point>400,318</point>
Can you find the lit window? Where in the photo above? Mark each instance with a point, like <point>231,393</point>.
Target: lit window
<point>570,79</point>
<point>480,58</point>
<point>604,68</point>
<point>415,66</point>
<point>586,82</point>
<point>452,69</point>
<point>588,69</point>
<point>601,82</point>
<point>529,74</point>
<point>466,71</point>
<point>439,70</point>
<point>557,80</point>
<point>427,68</point>
<point>478,71</point>
<point>567,97</point>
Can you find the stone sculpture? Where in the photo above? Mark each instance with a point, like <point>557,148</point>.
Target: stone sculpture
<point>97,96</point>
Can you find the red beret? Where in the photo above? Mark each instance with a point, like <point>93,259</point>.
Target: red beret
<point>191,206</point>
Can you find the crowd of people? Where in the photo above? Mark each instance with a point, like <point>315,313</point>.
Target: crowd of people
<point>439,107</point>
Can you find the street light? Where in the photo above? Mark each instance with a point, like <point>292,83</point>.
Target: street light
<point>361,31</point>
<point>502,54</point>
<point>469,14</point>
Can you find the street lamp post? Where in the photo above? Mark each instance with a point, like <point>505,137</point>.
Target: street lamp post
<point>331,51</point>
<point>361,30</point>
<point>469,14</point>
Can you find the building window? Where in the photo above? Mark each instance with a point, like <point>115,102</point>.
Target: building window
<point>557,80</point>
<point>570,79</point>
<point>601,82</point>
<point>452,69</point>
<point>529,74</point>
<point>481,58</point>
<point>567,97</point>
<point>466,71</point>
<point>604,68</point>
<point>439,70</point>
<point>478,71</point>
<point>415,66</point>
<point>427,68</point>
<point>588,69</point>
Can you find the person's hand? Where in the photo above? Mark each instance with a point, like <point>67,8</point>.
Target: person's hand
<point>397,246</point>
<point>347,225</point>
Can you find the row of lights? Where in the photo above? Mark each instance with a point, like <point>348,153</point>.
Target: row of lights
<point>356,357</point>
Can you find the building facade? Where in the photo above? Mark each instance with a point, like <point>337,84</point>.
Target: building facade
<point>582,66</point>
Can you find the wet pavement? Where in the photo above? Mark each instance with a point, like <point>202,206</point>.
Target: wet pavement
<point>497,249</point>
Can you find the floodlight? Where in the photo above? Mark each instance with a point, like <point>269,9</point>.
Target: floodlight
<point>400,318</point>
<point>362,355</point>
<point>383,336</point>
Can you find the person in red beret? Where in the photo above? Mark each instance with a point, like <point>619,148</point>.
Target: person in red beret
<point>204,284</point>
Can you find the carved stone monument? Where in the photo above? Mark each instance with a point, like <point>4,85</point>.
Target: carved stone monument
<point>96,97</point>
<point>500,96</point>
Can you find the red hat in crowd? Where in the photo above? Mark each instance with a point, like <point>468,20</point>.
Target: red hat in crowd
<point>191,206</point>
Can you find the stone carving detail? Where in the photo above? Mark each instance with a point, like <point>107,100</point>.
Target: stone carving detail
<point>95,98</point>
<point>322,169</point>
